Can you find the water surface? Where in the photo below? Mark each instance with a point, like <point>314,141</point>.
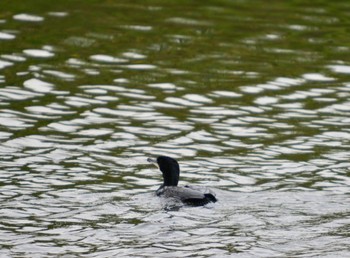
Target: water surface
<point>252,98</point>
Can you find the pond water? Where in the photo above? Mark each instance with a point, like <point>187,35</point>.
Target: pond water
<point>252,98</point>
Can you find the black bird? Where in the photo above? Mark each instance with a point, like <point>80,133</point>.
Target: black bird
<point>191,195</point>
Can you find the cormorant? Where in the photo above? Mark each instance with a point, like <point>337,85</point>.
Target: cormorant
<point>192,195</point>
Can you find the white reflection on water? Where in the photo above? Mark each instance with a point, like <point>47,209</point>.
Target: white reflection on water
<point>60,75</point>
<point>28,17</point>
<point>14,57</point>
<point>164,86</point>
<point>317,77</point>
<point>137,27</point>
<point>40,53</point>
<point>134,55</point>
<point>140,66</point>
<point>6,36</point>
<point>340,68</point>
<point>4,64</point>
<point>107,59</point>
<point>38,85</point>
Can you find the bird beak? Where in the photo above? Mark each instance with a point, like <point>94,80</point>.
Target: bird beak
<point>153,161</point>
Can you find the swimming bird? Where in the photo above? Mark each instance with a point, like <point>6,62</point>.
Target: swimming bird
<point>192,195</point>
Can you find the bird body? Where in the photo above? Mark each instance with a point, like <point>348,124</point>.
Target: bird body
<point>192,195</point>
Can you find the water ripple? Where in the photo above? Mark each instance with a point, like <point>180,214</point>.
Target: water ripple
<point>6,36</point>
<point>39,53</point>
<point>107,59</point>
<point>251,108</point>
<point>28,17</point>
<point>38,85</point>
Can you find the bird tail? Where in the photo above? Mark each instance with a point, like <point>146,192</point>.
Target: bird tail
<point>210,197</point>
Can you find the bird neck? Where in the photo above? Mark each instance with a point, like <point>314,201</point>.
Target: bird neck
<point>171,179</point>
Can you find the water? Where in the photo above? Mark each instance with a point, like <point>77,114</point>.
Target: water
<point>252,98</point>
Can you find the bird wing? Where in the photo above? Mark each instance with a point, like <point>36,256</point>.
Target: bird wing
<point>182,193</point>
<point>203,190</point>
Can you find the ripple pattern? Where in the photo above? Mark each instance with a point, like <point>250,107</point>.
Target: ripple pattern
<point>256,107</point>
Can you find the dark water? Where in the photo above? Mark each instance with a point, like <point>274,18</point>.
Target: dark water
<point>252,97</point>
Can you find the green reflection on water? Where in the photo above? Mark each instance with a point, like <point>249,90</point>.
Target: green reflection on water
<point>223,35</point>
<point>219,45</point>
